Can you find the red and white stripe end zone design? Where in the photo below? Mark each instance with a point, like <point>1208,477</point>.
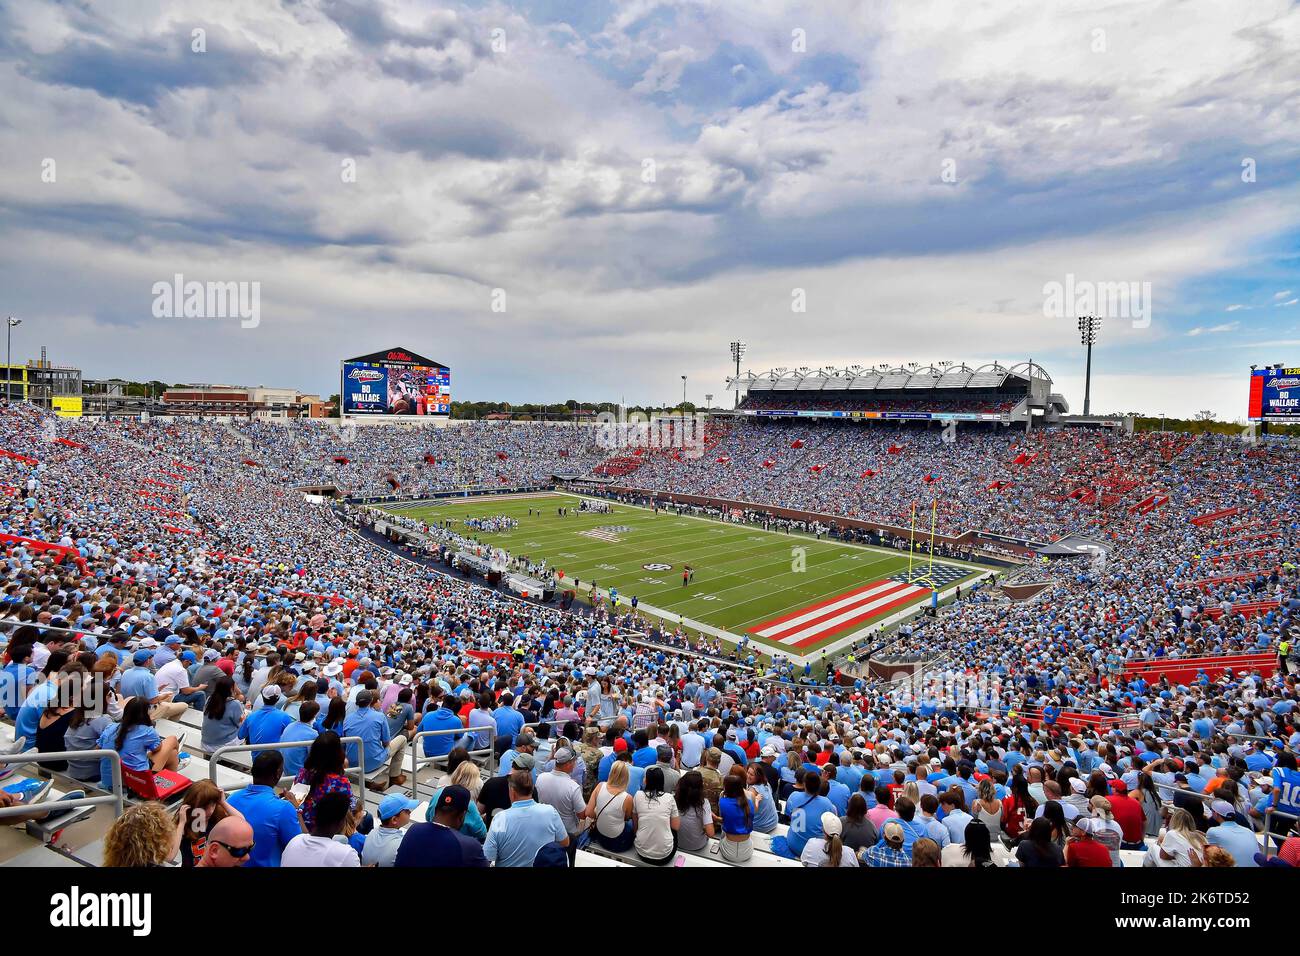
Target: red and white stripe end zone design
<point>819,621</point>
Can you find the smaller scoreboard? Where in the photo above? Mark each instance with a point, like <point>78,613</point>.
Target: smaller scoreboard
<point>1274,394</point>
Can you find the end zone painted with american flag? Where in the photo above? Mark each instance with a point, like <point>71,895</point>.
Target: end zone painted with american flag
<point>850,610</point>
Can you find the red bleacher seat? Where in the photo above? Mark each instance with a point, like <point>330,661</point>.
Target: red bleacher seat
<point>1246,609</point>
<point>1180,670</point>
<point>155,785</point>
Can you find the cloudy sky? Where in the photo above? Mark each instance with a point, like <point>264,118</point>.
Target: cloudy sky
<point>589,199</point>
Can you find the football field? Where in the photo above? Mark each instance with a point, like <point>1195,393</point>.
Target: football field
<point>790,593</point>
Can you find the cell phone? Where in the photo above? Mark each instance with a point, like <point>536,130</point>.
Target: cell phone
<point>300,791</point>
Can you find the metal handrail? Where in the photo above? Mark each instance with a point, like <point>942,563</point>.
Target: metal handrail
<point>15,625</point>
<point>416,756</point>
<point>114,798</point>
<point>1268,829</point>
<point>288,745</point>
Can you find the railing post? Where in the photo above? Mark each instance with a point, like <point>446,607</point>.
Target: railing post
<point>114,798</point>
<point>459,732</point>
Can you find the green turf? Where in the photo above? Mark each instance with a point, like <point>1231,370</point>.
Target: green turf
<point>744,575</point>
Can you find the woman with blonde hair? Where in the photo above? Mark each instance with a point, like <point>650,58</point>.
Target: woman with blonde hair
<point>611,809</point>
<point>465,775</point>
<point>911,791</point>
<point>144,835</point>
<point>987,808</point>
<point>1180,845</point>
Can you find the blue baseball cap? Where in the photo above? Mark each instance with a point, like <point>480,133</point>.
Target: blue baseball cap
<point>394,804</point>
<point>142,657</point>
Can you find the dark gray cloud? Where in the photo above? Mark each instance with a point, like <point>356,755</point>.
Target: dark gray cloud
<point>144,70</point>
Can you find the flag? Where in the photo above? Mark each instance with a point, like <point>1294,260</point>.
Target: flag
<point>340,459</point>
<point>930,478</point>
<point>724,459</point>
<point>430,460</point>
<point>868,473</point>
<point>502,455</point>
<point>768,463</point>
<point>797,443</point>
<point>895,449</point>
<point>816,469</point>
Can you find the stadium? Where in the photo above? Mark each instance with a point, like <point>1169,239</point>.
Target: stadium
<point>848,598</point>
<point>931,612</point>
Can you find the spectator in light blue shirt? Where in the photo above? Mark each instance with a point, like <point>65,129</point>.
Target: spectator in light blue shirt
<point>17,678</point>
<point>267,723</point>
<point>517,834</point>
<point>955,817</point>
<point>934,829</point>
<point>480,719</point>
<point>380,747</point>
<point>29,714</point>
<point>299,731</point>
<point>805,808</point>
<point>442,717</point>
<point>1231,836</point>
<point>1257,760</point>
<point>138,681</point>
<point>838,793</point>
<point>509,721</point>
<point>525,743</point>
<point>274,819</point>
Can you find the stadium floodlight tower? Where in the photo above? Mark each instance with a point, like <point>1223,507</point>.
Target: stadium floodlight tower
<point>9,362</point>
<point>1089,327</point>
<point>738,350</point>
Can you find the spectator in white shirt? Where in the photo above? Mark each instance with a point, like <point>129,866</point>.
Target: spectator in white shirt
<point>319,848</point>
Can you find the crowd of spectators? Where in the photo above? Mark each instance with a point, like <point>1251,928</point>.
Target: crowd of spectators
<point>148,563</point>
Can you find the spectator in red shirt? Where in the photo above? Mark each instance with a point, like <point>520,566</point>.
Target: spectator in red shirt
<point>1129,815</point>
<point>896,788</point>
<point>350,664</point>
<point>1083,850</point>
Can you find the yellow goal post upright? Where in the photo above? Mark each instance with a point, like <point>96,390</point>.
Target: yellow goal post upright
<point>926,577</point>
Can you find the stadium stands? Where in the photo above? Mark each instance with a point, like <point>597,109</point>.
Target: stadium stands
<point>150,570</point>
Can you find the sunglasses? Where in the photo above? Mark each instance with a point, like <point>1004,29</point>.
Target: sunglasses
<point>238,852</point>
